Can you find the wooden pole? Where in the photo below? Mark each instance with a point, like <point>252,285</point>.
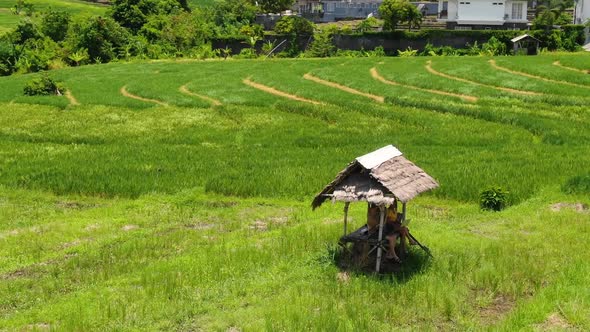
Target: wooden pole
<point>345,215</point>
<point>403,213</point>
<point>381,224</point>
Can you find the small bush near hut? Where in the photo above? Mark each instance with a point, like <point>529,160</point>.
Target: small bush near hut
<point>577,185</point>
<point>44,86</point>
<point>493,199</point>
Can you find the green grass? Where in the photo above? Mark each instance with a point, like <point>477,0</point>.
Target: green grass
<point>119,214</point>
<point>201,3</point>
<point>9,20</point>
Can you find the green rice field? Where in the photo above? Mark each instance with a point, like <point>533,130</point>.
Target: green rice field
<point>175,195</point>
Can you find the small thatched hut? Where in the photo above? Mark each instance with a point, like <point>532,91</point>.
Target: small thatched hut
<point>380,177</point>
<point>525,44</point>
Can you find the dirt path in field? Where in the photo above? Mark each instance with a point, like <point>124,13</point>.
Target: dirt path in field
<point>379,99</point>
<point>438,73</point>
<point>124,92</point>
<point>496,66</point>
<point>375,75</point>
<point>279,93</point>
<point>71,98</point>
<point>558,64</point>
<point>212,101</point>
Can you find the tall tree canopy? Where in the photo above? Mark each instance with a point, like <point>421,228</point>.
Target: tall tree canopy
<point>395,12</point>
<point>274,6</point>
<point>133,14</point>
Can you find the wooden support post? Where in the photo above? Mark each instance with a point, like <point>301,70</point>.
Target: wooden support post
<point>381,225</point>
<point>346,215</point>
<point>403,213</point>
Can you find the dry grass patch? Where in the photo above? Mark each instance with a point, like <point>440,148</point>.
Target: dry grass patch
<point>500,306</point>
<point>555,322</point>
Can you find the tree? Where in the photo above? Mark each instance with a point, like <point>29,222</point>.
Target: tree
<point>413,17</point>
<point>294,25</point>
<point>274,6</point>
<point>21,5</point>
<point>228,16</point>
<point>26,30</point>
<point>101,36</point>
<point>553,13</point>
<point>394,12</point>
<point>55,25</point>
<point>133,14</point>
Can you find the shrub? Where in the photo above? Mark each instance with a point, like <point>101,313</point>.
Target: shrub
<point>494,47</point>
<point>55,25</point>
<point>577,185</point>
<point>43,85</point>
<point>102,37</point>
<point>322,45</point>
<point>494,199</point>
<point>294,25</point>
<point>407,53</point>
<point>247,53</point>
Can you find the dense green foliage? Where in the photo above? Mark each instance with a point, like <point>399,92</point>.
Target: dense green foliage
<point>395,12</point>
<point>494,199</point>
<point>274,6</point>
<point>122,214</point>
<point>133,14</point>
<point>294,25</point>
<point>49,38</point>
<point>43,85</point>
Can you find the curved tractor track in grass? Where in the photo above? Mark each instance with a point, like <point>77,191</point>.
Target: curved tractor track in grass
<point>496,66</point>
<point>582,71</point>
<point>379,99</point>
<point>125,93</point>
<point>375,74</point>
<point>214,102</point>
<point>279,93</point>
<point>73,101</point>
<point>431,70</point>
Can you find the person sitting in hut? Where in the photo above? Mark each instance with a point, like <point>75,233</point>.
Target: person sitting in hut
<point>393,230</point>
<point>372,218</point>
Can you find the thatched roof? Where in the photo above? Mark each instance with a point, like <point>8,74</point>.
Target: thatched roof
<point>379,177</point>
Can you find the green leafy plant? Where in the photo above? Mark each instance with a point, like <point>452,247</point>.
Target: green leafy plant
<point>322,45</point>
<point>44,86</point>
<point>79,56</point>
<point>407,53</point>
<point>493,199</point>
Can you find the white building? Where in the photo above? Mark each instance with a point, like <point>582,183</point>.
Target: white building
<point>484,14</point>
<point>582,11</point>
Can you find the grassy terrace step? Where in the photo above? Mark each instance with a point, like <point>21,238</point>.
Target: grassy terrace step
<point>121,213</point>
<point>8,20</point>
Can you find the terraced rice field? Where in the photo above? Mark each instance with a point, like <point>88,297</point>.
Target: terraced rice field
<point>8,20</point>
<point>175,195</point>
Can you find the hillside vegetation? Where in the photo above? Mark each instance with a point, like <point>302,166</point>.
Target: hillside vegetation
<point>176,195</point>
<point>9,21</point>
